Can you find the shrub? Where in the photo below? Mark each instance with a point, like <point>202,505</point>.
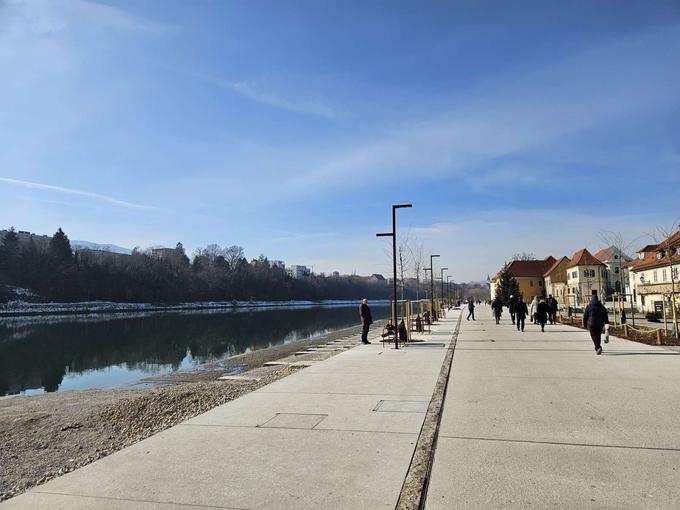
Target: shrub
<point>654,316</point>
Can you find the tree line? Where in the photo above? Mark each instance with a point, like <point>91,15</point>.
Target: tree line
<point>54,271</point>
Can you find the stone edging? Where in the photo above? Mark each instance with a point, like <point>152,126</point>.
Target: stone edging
<point>414,490</point>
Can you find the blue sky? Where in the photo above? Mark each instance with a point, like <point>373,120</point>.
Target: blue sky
<point>290,127</point>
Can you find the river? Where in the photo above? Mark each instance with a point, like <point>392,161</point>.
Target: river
<point>113,351</point>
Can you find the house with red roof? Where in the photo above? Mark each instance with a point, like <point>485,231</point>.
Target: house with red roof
<point>616,262</point>
<point>529,276</point>
<point>555,279</point>
<point>655,273</point>
<point>586,275</point>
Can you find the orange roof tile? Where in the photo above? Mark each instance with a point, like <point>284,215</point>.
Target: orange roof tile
<point>584,258</point>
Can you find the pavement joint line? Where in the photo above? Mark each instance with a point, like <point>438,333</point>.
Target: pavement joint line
<point>413,494</point>
<point>560,443</point>
<point>502,349</point>
<point>109,498</point>
<point>342,393</point>
<point>259,427</point>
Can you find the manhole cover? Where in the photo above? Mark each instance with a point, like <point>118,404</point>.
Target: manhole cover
<point>293,421</point>
<point>401,406</point>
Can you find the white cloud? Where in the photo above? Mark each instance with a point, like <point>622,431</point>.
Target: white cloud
<point>70,191</point>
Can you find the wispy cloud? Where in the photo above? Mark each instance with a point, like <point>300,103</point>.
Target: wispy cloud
<point>255,93</point>
<point>516,115</point>
<point>70,191</point>
<point>51,17</point>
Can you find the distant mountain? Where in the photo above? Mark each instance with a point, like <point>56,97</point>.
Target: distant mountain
<point>100,247</point>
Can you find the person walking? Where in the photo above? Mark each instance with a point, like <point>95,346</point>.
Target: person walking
<point>511,306</point>
<point>552,309</point>
<point>594,319</point>
<point>520,313</point>
<point>471,309</point>
<point>497,308</point>
<point>532,309</point>
<point>542,313</point>
<point>366,320</point>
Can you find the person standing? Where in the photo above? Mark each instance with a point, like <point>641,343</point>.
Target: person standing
<point>520,313</point>
<point>552,309</point>
<point>542,313</point>
<point>471,309</point>
<point>497,308</point>
<point>532,309</point>
<point>594,318</point>
<point>511,306</point>
<point>366,320</point>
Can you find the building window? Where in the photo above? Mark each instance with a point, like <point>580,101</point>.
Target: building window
<point>655,277</point>
<point>574,274</point>
<point>674,272</point>
<point>664,275</point>
<point>531,283</point>
<point>616,270</point>
<point>540,283</point>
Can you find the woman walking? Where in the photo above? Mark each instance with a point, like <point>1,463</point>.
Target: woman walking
<point>542,313</point>
<point>594,318</point>
<point>533,308</point>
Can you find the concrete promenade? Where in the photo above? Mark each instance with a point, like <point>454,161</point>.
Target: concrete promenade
<point>338,434</point>
<point>537,420</point>
<point>532,420</point>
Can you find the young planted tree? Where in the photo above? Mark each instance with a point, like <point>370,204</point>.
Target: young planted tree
<point>417,258</point>
<point>404,255</point>
<point>670,250</point>
<point>621,247</point>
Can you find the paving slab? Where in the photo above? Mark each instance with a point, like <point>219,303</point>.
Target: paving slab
<point>343,412</point>
<point>538,420</point>
<point>248,468</point>
<point>479,474</point>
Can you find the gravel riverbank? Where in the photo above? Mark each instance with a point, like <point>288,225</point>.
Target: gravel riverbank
<point>44,436</point>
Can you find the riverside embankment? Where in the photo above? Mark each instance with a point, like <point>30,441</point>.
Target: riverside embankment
<point>45,436</point>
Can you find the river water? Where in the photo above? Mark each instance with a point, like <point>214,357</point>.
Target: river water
<point>112,351</point>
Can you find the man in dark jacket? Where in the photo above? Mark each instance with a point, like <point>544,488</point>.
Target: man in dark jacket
<point>542,313</point>
<point>471,309</point>
<point>552,309</point>
<point>366,320</point>
<point>511,307</point>
<point>497,308</point>
<point>594,318</point>
<point>521,312</point>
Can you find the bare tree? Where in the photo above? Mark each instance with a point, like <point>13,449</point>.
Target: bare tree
<point>417,261</point>
<point>524,256</point>
<point>621,247</point>
<point>662,236</point>
<point>404,254</point>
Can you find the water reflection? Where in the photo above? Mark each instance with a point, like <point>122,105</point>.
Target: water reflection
<point>113,351</point>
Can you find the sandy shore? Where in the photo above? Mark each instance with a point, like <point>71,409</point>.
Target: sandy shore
<point>44,436</point>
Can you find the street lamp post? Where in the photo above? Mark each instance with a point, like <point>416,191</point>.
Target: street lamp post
<point>393,234</point>
<point>432,285</point>
<point>442,273</point>
<point>448,289</point>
